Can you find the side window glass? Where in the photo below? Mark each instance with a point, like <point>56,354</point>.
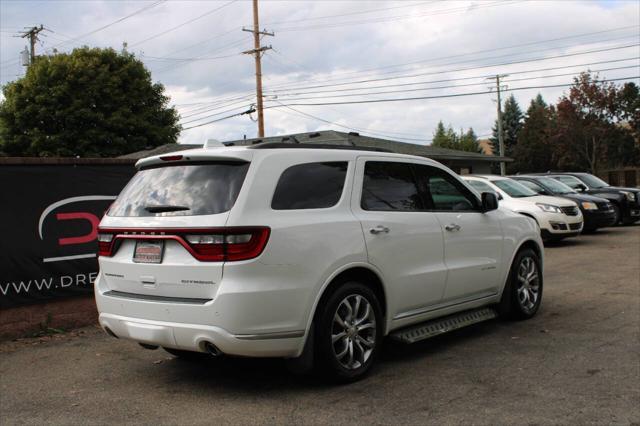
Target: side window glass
<point>573,183</point>
<point>310,186</point>
<point>443,192</point>
<point>389,186</point>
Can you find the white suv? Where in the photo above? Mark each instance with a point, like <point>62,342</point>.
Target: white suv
<point>313,253</point>
<point>557,217</point>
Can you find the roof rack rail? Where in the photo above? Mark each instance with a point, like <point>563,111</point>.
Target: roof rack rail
<point>281,145</point>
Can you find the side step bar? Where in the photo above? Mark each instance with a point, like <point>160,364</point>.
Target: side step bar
<point>436,327</point>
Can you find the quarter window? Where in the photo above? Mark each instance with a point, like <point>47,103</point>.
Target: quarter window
<point>310,186</point>
<point>390,186</point>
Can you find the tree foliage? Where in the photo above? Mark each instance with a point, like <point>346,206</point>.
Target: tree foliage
<point>89,103</point>
<point>595,125</point>
<point>533,151</point>
<point>512,118</point>
<point>448,138</point>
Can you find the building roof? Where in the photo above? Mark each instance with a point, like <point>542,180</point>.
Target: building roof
<point>332,137</point>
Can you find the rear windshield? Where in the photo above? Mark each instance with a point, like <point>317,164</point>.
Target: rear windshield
<point>181,190</point>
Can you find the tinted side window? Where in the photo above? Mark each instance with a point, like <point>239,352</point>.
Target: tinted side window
<point>442,191</point>
<point>389,186</point>
<point>310,186</point>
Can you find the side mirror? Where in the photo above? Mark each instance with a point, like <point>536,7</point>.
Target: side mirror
<point>581,187</point>
<point>489,201</point>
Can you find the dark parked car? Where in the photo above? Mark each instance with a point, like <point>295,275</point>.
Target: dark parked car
<point>626,201</point>
<point>597,212</point>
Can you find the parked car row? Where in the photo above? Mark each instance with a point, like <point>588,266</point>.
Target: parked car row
<point>563,204</point>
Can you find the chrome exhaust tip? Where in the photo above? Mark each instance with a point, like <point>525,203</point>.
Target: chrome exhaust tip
<point>212,349</point>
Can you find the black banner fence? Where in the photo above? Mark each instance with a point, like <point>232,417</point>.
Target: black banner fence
<point>49,213</point>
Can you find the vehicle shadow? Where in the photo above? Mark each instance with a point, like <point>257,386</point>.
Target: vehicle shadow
<point>255,376</point>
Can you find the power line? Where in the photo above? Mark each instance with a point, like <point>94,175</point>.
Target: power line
<point>466,54</point>
<point>249,111</point>
<point>453,95</point>
<point>544,58</point>
<point>446,80</point>
<point>315,18</point>
<point>400,17</point>
<point>183,24</point>
<point>448,86</point>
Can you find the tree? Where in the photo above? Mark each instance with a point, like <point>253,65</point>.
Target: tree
<point>89,103</point>
<point>590,129</point>
<point>512,117</point>
<point>469,141</point>
<point>533,151</point>
<point>445,138</point>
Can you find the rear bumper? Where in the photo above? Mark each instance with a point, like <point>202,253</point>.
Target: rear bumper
<point>255,321</point>
<point>193,337</point>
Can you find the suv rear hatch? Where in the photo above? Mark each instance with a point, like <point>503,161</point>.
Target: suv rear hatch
<point>165,235</point>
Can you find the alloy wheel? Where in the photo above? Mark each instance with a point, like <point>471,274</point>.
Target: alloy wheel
<point>528,284</point>
<point>353,331</point>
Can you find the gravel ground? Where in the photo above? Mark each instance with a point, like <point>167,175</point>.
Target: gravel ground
<point>577,362</point>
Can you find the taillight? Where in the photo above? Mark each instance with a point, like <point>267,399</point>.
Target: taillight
<point>210,245</point>
<point>105,244</point>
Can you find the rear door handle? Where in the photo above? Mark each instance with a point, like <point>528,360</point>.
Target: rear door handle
<point>379,230</point>
<point>452,227</point>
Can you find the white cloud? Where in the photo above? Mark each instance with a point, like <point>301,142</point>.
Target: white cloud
<point>322,55</point>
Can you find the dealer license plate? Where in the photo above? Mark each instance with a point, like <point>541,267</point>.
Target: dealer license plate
<point>148,252</point>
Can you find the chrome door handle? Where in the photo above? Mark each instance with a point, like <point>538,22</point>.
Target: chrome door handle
<point>452,227</point>
<point>379,230</point>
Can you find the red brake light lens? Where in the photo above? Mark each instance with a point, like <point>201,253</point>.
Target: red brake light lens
<point>171,158</point>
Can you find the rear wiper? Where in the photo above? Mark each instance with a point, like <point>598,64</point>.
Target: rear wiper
<point>165,208</point>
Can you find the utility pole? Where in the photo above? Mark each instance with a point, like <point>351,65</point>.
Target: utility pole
<point>257,54</point>
<point>32,34</point>
<point>500,131</point>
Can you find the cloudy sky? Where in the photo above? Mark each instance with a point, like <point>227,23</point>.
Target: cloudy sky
<point>330,59</point>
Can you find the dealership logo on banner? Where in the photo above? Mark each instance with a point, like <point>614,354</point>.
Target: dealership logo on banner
<point>84,220</point>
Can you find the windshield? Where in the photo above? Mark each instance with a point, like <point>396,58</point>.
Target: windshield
<point>513,188</point>
<point>556,186</point>
<point>592,181</point>
<point>181,190</point>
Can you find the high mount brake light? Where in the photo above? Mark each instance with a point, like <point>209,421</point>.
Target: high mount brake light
<point>171,158</point>
<point>208,245</point>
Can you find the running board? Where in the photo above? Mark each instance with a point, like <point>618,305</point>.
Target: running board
<point>440,326</point>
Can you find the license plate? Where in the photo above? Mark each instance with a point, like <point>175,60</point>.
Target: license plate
<point>148,252</point>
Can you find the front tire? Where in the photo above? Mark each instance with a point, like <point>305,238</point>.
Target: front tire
<point>617,214</point>
<point>522,294</point>
<point>349,331</point>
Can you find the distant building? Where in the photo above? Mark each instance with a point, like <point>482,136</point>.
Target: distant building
<point>461,162</point>
<point>486,146</point>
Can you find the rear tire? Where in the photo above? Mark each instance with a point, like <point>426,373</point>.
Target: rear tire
<point>348,332</point>
<point>522,294</point>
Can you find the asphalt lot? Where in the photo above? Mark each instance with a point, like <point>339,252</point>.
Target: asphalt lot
<point>577,362</point>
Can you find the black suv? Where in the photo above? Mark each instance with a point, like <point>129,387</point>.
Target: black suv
<point>626,201</point>
<point>597,212</point>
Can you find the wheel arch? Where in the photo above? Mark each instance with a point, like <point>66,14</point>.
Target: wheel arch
<point>525,244</point>
<point>362,272</point>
